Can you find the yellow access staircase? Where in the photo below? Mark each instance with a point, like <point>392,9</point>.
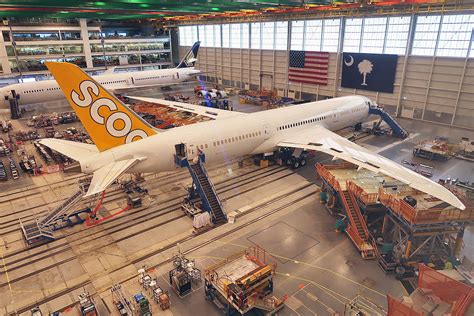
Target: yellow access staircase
<point>357,228</point>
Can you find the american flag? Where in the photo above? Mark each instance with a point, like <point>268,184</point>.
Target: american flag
<point>308,67</point>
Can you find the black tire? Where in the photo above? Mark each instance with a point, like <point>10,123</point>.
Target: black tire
<point>303,162</point>
<point>296,164</point>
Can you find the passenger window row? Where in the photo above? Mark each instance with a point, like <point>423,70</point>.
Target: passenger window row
<point>235,139</point>
<point>148,78</point>
<point>313,120</point>
<point>112,82</point>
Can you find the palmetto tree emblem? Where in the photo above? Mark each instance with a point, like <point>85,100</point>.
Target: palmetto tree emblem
<point>365,67</point>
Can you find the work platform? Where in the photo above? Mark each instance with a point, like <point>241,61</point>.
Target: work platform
<point>242,282</point>
<point>417,225</point>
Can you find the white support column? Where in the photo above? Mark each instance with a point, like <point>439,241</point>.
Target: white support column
<point>3,56</point>
<point>461,82</point>
<point>86,43</point>
<point>411,35</point>
<point>428,86</point>
<point>288,49</point>
<point>340,47</point>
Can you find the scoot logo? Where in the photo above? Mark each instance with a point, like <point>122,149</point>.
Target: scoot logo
<point>84,100</point>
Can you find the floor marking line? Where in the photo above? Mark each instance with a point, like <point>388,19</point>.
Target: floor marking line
<point>6,274</point>
<point>311,265</point>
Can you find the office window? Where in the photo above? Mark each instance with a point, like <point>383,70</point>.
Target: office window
<point>313,35</point>
<point>225,35</point>
<point>397,35</point>
<point>373,36</point>
<point>426,34</point>
<point>297,35</point>
<point>217,35</point>
<point>281,35</point>
<point>353,35</point>
<point>455,35</point>
<point>255,36</point>
<point>235,36</point>
<point>268,35</point>
<point>330,35</point>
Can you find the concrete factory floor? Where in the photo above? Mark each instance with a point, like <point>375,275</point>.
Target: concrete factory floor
<point>318,269</point>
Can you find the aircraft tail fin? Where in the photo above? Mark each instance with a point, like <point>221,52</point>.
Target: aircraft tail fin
<point>191,56</point>
<point>108,121</point>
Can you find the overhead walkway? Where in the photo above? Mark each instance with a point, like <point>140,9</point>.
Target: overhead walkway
<point>202,184</point>
<point>397,129</point>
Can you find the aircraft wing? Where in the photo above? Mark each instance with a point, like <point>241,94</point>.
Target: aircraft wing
<point>320,139</point>
<point>126,89</point>
<point>192,108</point>
<point>104,176</point>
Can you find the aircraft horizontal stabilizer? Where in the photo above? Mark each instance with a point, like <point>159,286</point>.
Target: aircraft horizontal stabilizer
<point>74,150</point>
<point>104,176</point>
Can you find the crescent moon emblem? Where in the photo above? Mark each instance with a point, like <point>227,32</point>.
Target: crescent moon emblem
<point>350,62</point>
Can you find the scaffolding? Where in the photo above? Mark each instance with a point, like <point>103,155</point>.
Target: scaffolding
<point>416,225</point>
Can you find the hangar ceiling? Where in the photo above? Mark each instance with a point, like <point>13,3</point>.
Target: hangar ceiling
<point>138,8</point>
<point>179,9</point>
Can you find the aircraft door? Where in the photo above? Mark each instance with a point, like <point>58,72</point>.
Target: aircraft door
<point>266,131</point>
<point>130,81</point>
<point>191,152</point>
<point>336,116</point>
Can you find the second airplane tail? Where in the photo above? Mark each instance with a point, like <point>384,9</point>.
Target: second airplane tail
<point>191,56</point>
<point>108,121</point>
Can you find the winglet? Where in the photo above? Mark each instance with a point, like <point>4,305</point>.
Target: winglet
<point>108,121</point>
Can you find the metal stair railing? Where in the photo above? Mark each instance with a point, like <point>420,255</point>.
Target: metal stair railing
<point>204,196</point>
<point>61,209</point>
<point>214,191</point>
<point>387,118</point>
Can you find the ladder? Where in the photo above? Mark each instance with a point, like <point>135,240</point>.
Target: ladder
<point>357,229</point>
<point>207,192</point>
<point>41,230</point>
<point>61,209</point>
<point>397,129</point>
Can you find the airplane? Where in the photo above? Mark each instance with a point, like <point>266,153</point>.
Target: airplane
<point>125,143</point>
<point>49,90</point>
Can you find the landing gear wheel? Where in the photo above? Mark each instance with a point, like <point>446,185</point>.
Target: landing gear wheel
<point>303,162</point>
<point>296,164</point>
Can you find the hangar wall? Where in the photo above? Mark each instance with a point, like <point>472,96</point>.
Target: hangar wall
<point>429,88</point>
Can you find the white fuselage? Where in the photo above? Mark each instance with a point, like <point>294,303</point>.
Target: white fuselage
<point>48,90</point>
<point>225,139</point>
